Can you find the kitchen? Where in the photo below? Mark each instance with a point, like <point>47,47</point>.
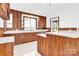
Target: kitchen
<point>53,36</point>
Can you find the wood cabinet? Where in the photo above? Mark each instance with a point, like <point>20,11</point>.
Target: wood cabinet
<point>21,38</point>
<point>16,19</point>
<point>52,45</point>
<point>1,32</point>
<point>41,45</point>
<point>25,37</point>
<point>42,22</point>
<point>6,49</point>
<point>55,45</point>
<point>4,10</point>
<point>71,47</point>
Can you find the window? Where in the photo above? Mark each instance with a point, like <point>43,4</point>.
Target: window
<point>30,23</point>
<point>9,22</point>
<point>1,23</point>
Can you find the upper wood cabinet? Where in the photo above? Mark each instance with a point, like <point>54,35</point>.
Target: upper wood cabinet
<point>42,22</point>
<point>16,19</point>
<point>4,10</point>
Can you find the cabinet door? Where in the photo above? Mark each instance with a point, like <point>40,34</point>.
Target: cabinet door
<point>67,47</point>
<point>40,45</point>
<point>19,38</point>
<point>44,46</point>
<point>52,45</point>
<point>61,45</point>
<point>6,49</point>
<point>33,36</point>
<point>9,49</point>
<point>77,47</point>
<point>19,21</point>
<point>42,22</point>
<point>2,50</point>
<point>4,10</point>
<point>28,37</point>
<point>73,48</point>
<point>15,19</point>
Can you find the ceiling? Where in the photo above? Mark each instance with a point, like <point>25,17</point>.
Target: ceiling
<point>45,9</point>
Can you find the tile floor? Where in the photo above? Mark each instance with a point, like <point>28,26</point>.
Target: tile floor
<point>26,49</point>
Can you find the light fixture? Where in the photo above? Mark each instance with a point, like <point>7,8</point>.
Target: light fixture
<point>51,4</point>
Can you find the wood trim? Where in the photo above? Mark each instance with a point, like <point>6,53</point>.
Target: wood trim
<point>30,18</point>
<point>26,13</point>
<point>68,29</point>
<point>58,22</point>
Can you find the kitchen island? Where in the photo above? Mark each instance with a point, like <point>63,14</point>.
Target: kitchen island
<point>62,43</point>
<point>6,46</point>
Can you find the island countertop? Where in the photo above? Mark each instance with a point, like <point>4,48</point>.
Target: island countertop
<point>70,34</point>
<point>24,31</point>
<point>7,39</point>
<point>43,35</point>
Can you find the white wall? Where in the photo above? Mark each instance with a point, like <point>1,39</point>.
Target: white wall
<point>35,8</point>
<point>68,17</point>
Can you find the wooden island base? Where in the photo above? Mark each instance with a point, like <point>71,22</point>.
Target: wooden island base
<point>56,45</point>
<point>6,49</point>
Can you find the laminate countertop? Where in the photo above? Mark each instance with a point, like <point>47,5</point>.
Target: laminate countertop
<point>24,31</point>
<point>42,35</point>
<point>6,39</point>
<point>70,34</point>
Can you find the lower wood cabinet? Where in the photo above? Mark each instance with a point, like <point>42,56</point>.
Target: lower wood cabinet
<point>6,49</point>
<point>54,45</point>
<point>41,45</point>
<point>21,38</point>
<point>71,47</point>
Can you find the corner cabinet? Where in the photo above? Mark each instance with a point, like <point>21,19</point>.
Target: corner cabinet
<point>4,10</point>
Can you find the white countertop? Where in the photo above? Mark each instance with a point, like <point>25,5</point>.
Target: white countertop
<point>43,35</point>
<point>24,31</point>
<point>7,39</point>
<point>71,34</point>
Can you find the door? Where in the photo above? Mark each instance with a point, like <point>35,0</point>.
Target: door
<point>54,23</point>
